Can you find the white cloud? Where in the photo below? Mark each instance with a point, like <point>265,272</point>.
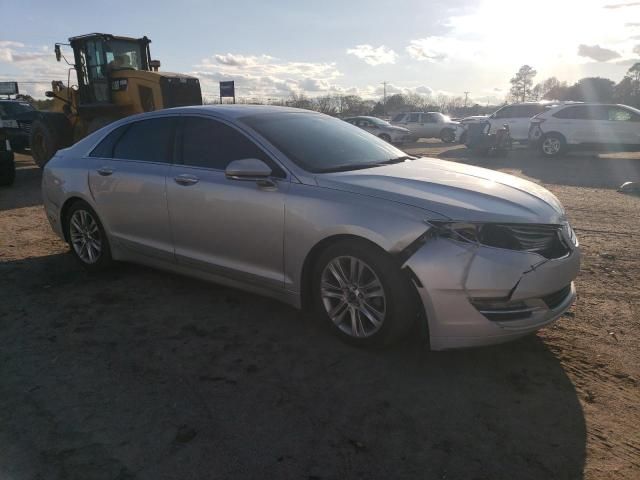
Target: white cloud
<point>36,65</point>
<point>266,76</point>
<point>430,49</point>
<point>597,53</point>
<point>373,56</point>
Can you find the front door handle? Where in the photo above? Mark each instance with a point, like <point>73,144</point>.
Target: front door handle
<point>186,179</point>
<point>105,171</point>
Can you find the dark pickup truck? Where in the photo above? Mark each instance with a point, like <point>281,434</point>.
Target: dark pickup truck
<point>16,117</point>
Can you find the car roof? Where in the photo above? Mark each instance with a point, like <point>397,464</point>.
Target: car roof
<point>237,111</point>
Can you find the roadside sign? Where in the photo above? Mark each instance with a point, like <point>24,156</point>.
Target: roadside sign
<point>9,88</point>
<point>228,89</point>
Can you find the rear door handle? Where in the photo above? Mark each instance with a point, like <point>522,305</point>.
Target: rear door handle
<point>186,179</point>
<point>105,171</point>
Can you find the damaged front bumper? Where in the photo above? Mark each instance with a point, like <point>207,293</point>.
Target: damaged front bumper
<point>477,295</point>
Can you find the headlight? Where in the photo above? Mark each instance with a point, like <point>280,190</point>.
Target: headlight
<point>544,239</point>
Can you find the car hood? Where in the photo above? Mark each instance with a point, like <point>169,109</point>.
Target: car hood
<point>453,190</point>
<point>393,128</point>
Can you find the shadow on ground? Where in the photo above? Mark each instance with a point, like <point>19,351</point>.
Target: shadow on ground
<point>142,374</point>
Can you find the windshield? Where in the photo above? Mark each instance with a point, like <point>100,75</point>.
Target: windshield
<point>124,55</point>
<point>10,109</point>
<point>319,143</point>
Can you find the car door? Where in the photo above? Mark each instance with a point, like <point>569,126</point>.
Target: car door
<point>432,124</point>
<point>127,179</point>
<point>521,120</point>
<point>223,226</point>
<point>503,116</point>
<point>623,126</point>
<point>415,123</point>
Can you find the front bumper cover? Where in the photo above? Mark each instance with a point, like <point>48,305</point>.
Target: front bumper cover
<point>452,275</point>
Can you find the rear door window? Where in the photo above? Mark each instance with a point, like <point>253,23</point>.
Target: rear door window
<point>577,112</point>
<point>148,141</point>
<point>414,117</point>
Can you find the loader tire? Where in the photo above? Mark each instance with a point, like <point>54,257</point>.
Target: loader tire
<point>49,133</point>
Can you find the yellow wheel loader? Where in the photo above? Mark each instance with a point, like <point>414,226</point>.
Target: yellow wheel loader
<point>115,78</point>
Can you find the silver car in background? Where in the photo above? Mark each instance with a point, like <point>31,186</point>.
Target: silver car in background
<point>319,214</point>
<point>381,129</point>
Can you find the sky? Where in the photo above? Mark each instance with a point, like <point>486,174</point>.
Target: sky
<point>278,47</point>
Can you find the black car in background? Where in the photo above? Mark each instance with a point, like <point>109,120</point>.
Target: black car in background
<point>17,116</point>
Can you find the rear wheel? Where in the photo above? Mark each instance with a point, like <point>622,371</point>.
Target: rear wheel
<point>361,293</point>
<point>552,145</point>
<point>86,237</point>
<point>447,135</point>
<point>48,135</point>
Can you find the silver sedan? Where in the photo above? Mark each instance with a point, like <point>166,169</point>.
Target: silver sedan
<point>322,215</point>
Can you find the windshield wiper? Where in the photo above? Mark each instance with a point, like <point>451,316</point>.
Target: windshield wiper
<point>359,166</point>
<point>348,166</point>
<point>401,159</point>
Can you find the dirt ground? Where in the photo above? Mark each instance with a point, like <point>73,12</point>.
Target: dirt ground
<point>140,374</point>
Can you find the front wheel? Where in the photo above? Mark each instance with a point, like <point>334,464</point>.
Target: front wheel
<point>361,293</point>
<point>552,145</point>
<point>86,237</point>
<point>447,135</point>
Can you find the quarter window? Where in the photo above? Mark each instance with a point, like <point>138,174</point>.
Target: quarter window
<point>211,144</point>
<point>105,148</point>
<point>148,140</point>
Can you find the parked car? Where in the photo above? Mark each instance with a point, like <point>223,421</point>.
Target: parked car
<point>16,117</point>
<point>313,211</point>
<point>586,126</point>
<point>381,128</point>
<point>517,116</point>
<point>7,165</point>
<point>427,125</point>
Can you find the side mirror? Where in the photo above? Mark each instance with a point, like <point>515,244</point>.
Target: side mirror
<point>155,65</point>
<point>58,52</point>
<point>250,169</point>
<point>49,94</point>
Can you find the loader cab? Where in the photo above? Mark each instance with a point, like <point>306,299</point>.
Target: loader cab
<point>98,55</point>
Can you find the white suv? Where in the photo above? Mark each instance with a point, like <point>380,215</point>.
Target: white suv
<point>586,126</point>
<point>517,116</point>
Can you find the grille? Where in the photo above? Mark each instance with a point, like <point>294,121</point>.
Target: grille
<point>180,91</point>
<point>554,299</point>
<point>25,126</point>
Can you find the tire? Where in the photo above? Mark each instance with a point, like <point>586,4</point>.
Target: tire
<point>552,145</point>
<point>86,237</point>
<point>385,137</point>
<point>7,169</point>
<point>49,133</point>
<point>447,135</point>
<point>376,316</point>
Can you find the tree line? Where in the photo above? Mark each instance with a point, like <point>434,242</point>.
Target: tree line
<point>589,89</point>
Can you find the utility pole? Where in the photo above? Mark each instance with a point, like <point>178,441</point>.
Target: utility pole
<point>466,95</point>
<point>384,101</point>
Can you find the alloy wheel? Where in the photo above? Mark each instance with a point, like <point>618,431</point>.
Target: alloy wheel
<point>551,146</point>
<point>85,236</point>
<point>353,296</point>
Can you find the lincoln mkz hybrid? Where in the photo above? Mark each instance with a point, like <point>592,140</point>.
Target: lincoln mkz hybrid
<point>322,215</point>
